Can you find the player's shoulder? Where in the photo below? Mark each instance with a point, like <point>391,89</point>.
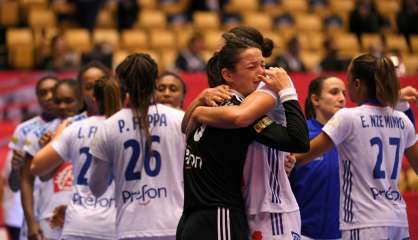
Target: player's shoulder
<point>30,123</point>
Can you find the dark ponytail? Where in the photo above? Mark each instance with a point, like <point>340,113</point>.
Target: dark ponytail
<point>107,94</point>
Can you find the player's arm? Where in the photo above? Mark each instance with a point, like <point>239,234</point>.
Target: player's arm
<point>26,186</point>
<point>99,178</point>
<point>208,97</point>
<point>412,155</point>
<point>318,146</point>
<point>253,107</point>
<point>293,137</point>
<point>18,159</point>
<point>45,161</point>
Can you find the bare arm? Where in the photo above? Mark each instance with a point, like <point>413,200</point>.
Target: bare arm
<point>412,155</point>
<point>45,161</point>
<point>208,97</point>
<point>318,146</point>
<point>99,178</point>
<point>26,186</point>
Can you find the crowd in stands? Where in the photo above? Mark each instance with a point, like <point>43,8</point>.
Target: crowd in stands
<point>311,35</point>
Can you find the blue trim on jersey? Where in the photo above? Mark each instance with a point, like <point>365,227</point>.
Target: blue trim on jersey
<point>347,185</point>
<point>316,186</point>
<point>273,161</point>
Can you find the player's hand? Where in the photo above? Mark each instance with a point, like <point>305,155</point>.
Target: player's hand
<point>18,159</point>
<point>45,139</point>
<point>408,94</point>
<point>191,125</point>
<point>214,96</point>
<point>35,232</point>
<point>58,217</point>
<point>276,79</point>
<point>289,163</point>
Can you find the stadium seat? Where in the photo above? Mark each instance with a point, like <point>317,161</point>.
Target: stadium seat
<point>78,39</point>
<point>312,41</point>
<point>308,23</point>
<point>105,19</point>
<point>134,40</point>
<point>395,41</point>
<point>242,6</point>
<point>370,39</point>
<point>206,20</point>
<point>162,40</point>
<point>21,48</point>
<point>167,60</point>
<point>310,59</point>
<point>261,21</point>
<point>213,40</point>
<point>9,13</point>
<point>347,44</point>
<point>295,6</point>
<point>151,19</point>
<point>411,63</point>
<point>388,7</point>
<point>414,43</point>
<point>109,36</point>
<point>118,57</point>
<point>41,18</point>
<point>148,4</point>
<point>183,36</point>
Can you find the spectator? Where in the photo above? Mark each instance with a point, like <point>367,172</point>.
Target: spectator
<point>102,52</point>
<point>127,13</point>
<point>290,59</point>
<point>61,57</point>
<point>331,61</point>
<point>407,16</point>
<point>87,11</point>
<point>189,59</point>
<point>365,18</point>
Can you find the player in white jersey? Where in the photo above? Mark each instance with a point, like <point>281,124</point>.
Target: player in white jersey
<point>148,176</point>
<point>86,216</point>
<point>43,89</point>
<point>371,140</point>
<point>68,103</point>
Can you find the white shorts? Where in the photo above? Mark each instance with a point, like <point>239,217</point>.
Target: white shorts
<point>275,226</point>
<point>376,233</point>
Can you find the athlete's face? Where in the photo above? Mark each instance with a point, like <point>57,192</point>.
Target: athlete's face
<point>244,77</point>
<point>45,95</point>
<point>87,82</point>
<point>66,101</point>
<point>170,91</point>
<point>331,99</point>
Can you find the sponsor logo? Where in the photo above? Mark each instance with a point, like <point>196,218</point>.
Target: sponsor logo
<point>192,161</point>
<point>63,178</point>
<point>144,195</point>
<point>91,201</point>
<point>199,133</point>
<point>389,194</point>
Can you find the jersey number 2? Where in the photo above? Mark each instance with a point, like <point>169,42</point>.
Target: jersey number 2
<point>130,173</point>
<point>377,171</point>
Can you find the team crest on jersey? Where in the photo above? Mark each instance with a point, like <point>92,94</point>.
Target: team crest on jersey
<point>63,178</point>
<point>199,133</point>
<point>257,235</point>
<point>295,236</point>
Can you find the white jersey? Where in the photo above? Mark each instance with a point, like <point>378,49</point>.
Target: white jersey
<point>371,141</point>
<point>266,184</point>
<point>148,189</point>
<point>19,135</point>
<point>86,216</point>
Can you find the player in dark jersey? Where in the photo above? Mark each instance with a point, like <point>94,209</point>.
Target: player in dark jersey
<point>214,158</point>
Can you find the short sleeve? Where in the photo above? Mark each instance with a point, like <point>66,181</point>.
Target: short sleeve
<point>338,128</point>
<point>99,147</point>
<point>63,145</point>
<point>262,87</point>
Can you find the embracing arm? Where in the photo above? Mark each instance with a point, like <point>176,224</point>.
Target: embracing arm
<point>99,178</point>
<point>318,146</point>
<point>412,155</point>
<point>293,137</point>
<point>45,161</point>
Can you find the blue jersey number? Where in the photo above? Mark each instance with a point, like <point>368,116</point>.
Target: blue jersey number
<point>81,179</point>
<point>378,173</point>
<point>152,171</point>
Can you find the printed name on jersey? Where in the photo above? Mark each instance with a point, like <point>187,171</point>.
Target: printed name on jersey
<point>388,194</point>
<point>199,133</point>
<point>144,195</point>
<point>91,201</point>
<point>262,124</point>
<point>155,119</point>
<point>382,121</point>
<point>191,160</point>
<point>63,178</point>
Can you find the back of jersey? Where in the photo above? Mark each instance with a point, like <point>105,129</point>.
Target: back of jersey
<point>371,141</point>
<point>148,182</point>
